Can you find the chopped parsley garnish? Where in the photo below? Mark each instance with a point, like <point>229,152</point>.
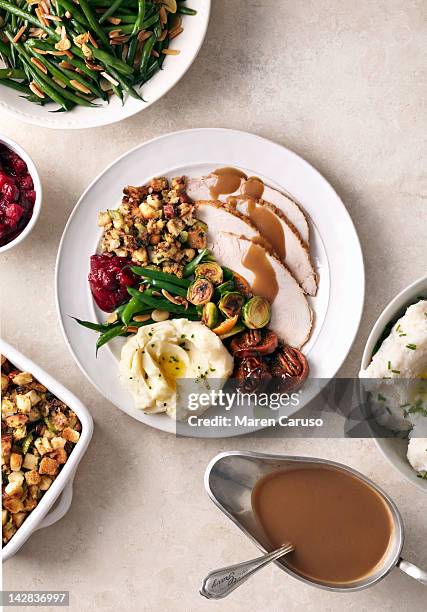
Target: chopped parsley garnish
<point>413,347</point>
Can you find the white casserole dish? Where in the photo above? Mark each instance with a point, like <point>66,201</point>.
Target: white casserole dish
<point>61,490</point>
<point>394,449</point>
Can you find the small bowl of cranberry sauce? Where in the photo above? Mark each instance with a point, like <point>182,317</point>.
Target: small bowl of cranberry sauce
<point>20,194</point>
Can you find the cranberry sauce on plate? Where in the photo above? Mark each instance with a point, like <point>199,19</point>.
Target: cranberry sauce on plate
<point>17,195</point>
<point>109,278</point>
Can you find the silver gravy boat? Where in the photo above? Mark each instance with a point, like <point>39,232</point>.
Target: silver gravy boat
<point>230,478</point>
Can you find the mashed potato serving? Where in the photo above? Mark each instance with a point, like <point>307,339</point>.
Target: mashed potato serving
<point>402,407</point>
<point>160,354</point>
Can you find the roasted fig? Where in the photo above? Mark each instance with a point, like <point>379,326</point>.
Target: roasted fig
<point>289,368</point>
<point>251,373</point>
<point>210,270</point>
<point>256,312</point>
<point>254,342</point>
<point>200,291</point>
<point>210,315</point>
<point>231,304</point>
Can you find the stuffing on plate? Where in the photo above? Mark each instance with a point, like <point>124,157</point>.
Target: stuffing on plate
<point>38,433</point>
<point>155,224</point>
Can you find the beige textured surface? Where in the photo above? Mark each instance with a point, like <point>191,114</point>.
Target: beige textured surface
<point>338,82</point>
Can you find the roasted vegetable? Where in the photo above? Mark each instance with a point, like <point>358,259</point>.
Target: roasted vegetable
<point>231,304</point>
<point>198,235</point>
<point>200,291</point>
<point>210,270</point>
<point>239,327</point>
<point>256,313</point>
<point>210,315</point>
<point>225,327</point>
<point>241,284</point>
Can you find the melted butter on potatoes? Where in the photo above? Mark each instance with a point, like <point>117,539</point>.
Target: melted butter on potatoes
<point>160,354</point>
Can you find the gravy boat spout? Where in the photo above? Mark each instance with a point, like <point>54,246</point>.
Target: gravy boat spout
<point>230,478</point>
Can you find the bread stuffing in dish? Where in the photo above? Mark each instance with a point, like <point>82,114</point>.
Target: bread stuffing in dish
<point>38,434</point>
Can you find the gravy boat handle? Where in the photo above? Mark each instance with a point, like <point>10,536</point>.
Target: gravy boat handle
<point>222,582</point>
<point>412,570</point>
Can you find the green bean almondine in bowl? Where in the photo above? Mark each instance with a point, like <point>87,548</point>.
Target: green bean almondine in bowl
<point>82,53</point>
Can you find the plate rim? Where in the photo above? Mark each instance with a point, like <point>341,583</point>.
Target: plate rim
<point>173,134</point>
<point>42,121</point>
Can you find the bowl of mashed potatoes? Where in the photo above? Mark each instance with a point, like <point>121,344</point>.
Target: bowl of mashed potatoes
<point>395,361</point>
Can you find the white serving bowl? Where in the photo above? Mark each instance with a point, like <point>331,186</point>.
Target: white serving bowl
<point>61,490</point>
<point>188,43</point>
<point>13,146</point>
<point>395,449</point>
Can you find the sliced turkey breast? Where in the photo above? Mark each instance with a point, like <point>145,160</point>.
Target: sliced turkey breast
<point>284,239</point>
<point>218,218</point>
<point>200,189</point>
<point>291,314</point>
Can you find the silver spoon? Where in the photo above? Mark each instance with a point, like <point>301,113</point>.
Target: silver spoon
<point>222,582</point>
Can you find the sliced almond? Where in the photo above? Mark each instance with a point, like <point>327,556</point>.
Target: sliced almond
<point>19,33</point>
<point>115,33</point>
<point>38,92</point>
<point>156,294</point>
<point>174,33</point>
<point>171,51</point>
<point>39,65</point>
<point>142,318</point>
<point>67,65</point>
<point>59,82</point>
<point>63,45</point>
<point>81,39</point>
<point>93,41</point>
<point>170,297</point>
<point>163,16</point>
<point>114,20</point>
<point>40,51</point>
<point>80,86</point>
<point>170,5</point>
<point>160,315</point>
<point>162,35</point>
<point>112,318</point>
<point>87,52</point>
<point>131,329</point>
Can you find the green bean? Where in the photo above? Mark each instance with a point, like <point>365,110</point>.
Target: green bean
<point>108,335</point>
<point>158,275</point>
<point>128,27</point>
<point>15,85</point>
<point>59,75</point>
<point>39,77</point>
<point>113,61</point>
<point>5,50</point>
<point>161,303</point>
<point>124,84</point>
<point>93,22</point>
<point>111,10</point>
<point>140,18</point>
<point>7,6</point>
<point>66,76</point>
<point>99,327</point>
<point>173,289</point>
<point>133,307</point>
<point>191,266</point>
<point>133,44</point>
<point>74,11</point>
<point>11,73</point>
<point>146,53</point>
<point>185,10</point>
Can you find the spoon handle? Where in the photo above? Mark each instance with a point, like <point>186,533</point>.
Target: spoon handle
<point>222,582</point>
<point>412,570</point>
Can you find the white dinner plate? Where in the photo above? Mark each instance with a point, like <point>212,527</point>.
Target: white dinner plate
<point>335,248</point>
<point>174,68</point>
